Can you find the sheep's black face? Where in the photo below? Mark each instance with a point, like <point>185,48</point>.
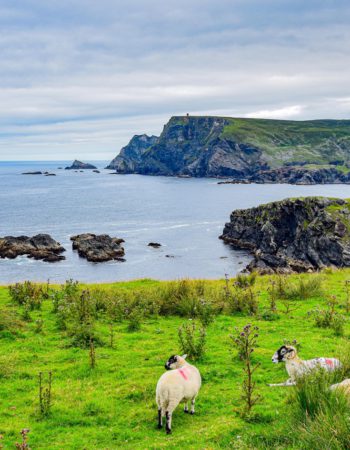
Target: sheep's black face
<point>171,363</point>
<point>279,356</point>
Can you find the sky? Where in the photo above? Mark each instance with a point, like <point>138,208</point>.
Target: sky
<point>78,78</point>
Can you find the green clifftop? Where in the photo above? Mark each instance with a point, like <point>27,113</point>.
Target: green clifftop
<point>203,146</point>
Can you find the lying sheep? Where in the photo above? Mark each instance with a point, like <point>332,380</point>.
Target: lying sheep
<point>296,367</point>
<point>181,384</point>
<point>344,386</point>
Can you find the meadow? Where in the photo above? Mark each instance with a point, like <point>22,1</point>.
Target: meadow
<point>106,345</point>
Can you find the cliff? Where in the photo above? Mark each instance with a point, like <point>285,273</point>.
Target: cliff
<point>244,149</point>
<point>293,235</point>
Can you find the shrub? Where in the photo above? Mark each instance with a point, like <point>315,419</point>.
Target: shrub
<point>26,294</point>
<point>329,318</point>
<point>245,280</point>
<point>242,300</point>
<point>192,340</point>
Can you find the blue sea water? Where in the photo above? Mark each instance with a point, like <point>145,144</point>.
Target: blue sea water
<point>185,215</point>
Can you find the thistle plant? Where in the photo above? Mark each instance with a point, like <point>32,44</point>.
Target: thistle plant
<point>245,342</point>
<point>44,395</point>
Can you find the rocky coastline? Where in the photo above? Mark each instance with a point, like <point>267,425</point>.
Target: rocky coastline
<point>293,235</point>
<point>242,150</point>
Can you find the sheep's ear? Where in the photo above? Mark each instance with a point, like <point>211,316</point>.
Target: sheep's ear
<point>184,356</point>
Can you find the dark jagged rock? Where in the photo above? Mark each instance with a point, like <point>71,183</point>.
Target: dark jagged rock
<point>50,175</point>
<point>301,175</point>
<point>154,244</point>
<point>41,246</point>
<point>32,173</point>
<point>293,235</point>
<point>96,171</point>
<point>131,155</point>
<point>78,165</point>
<point>98,248</point>
<point>247,150</point>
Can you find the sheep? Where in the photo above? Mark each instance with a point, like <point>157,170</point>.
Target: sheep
<point>296,367</point>
<point>181,384</point>
<point>344,386</point>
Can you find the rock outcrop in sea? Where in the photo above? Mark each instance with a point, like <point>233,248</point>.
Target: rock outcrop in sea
<point>98,248</point>
<point>293,235</point>
<point>78,165</point>
<point>246,150</point>
<point>41,246</point>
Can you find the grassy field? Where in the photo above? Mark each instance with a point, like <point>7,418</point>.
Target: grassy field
<point>112,406</point>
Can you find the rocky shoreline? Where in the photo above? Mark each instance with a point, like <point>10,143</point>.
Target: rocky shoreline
<point>293,235</point>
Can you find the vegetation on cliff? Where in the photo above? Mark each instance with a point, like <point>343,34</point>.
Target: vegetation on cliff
<point>242,149</point>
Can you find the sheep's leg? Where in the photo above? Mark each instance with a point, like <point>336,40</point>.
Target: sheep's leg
<point>192,404</point>
<point>160,418</point>
<point>186,407</point>
<point>286,383</point>
<point>168,416</point>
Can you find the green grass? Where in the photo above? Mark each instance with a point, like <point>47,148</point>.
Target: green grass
<point>316,141</point>
<point>113,405</point>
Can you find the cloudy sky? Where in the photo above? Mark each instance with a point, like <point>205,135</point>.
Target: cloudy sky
<point>79,77</point>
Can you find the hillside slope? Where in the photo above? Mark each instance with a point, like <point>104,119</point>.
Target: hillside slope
<point>250,149</point>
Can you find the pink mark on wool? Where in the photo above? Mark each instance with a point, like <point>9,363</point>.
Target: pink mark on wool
<point>329,362</point>
<point>183,374</point>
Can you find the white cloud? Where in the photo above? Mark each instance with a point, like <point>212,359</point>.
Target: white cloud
<point>283,113</point>
<point>80,78</point>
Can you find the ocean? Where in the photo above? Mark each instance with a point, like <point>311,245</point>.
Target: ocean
<point>185,215</point>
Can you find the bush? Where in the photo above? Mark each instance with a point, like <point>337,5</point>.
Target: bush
<point>27,294</point>
<point>329,318</point>
<point>242,300</point>
<point>192,340</point>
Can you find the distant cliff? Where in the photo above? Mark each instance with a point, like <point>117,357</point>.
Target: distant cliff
<point>259,150</point>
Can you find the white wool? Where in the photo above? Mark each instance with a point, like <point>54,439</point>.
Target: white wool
<point>176,386</point>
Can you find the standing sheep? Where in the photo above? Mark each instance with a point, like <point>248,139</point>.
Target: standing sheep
<point>181,384</point>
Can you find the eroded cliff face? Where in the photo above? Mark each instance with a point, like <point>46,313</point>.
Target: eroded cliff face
<point>254,150</point>
<point>293,235</point>
<point>192,146</point>
<point>130,155</point>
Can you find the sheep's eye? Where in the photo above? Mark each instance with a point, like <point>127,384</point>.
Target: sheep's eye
<point>283,351</point>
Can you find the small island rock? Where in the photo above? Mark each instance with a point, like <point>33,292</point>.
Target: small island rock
<point>78,165</point>
<point>41,246</point>
<point>98,248</point>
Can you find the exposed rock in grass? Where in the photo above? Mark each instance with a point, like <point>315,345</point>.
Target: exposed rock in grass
<point>293,235</point>
<point>98,248</point>
<point>41,246</point>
